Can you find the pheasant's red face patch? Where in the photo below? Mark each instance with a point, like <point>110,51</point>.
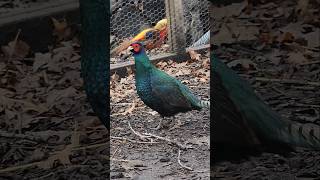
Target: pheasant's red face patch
<point>136,47</point>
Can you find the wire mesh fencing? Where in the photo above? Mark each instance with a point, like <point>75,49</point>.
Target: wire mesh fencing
<point>163,25</point>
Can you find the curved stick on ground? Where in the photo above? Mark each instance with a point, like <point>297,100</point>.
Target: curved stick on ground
<point>186,167</point>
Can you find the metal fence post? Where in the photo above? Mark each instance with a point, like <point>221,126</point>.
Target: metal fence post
<point>176,34</point>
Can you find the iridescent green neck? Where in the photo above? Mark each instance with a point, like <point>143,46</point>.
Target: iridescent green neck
<point>142,64</point>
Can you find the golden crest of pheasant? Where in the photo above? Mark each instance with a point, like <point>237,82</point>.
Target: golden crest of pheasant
<point>152,37</point>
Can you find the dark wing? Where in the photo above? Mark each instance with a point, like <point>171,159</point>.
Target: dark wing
<point>166,88</point>
<point>229,126</point>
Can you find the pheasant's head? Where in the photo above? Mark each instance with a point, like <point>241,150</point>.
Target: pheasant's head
<point>136,48</point>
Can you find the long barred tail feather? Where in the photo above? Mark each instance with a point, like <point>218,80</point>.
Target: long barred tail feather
<point>267,124</point>
<point>306,135</point>
<point>205,104</point>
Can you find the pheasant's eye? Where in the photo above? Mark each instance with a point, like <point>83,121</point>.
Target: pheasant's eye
<point>149,35</point>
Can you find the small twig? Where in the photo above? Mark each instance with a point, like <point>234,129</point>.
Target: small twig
<point>14,168</point>
<point>308,88</point>
<point>169,141</point>
<point>278,91</point>
<point>133,141</point>
<point>199,87</point>
<point>148,135</point>
<point>137,133</point>
<point>167,164</point>
<point>114,153</point>
<point>299,46</point>
<point>305,105</point>
<point>309,63</point>
<point>124,160</point>
<point>119,160</point>
<point>128,111</point>
<point>186,167</point>
<point>287,81</point>
<point>90,146</point>
<point>34,136</point>
<point>122,104</point>
<point>14,44</point>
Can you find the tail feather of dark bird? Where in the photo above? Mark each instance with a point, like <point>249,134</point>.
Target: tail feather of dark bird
<point>264,122</point>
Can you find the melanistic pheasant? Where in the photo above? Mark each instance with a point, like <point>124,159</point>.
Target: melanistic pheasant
<point>158,90</point>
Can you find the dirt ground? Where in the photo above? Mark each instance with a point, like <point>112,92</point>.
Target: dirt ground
<point>152,158</point>
<point>47,127</point>
<point>276,48</point>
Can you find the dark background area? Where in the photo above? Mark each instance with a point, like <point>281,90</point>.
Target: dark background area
<point>275,46</point>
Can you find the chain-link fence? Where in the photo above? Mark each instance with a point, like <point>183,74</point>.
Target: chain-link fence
<point>162,24</point>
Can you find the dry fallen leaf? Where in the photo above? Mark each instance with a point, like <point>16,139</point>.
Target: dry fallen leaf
<point>223,36</point>
<point>234,9</point>
<point>194,55</point>
<point>204,140</point>
<point>295,29</point>
<point>127,111</point>
<point>206,63</point>
<point>162,64</point>
<point>313,38</point>
<point>244,63</point>
<point>129,70</point>
<point>180,65</point>
<point>61,29</point>
<point>265,37</point>
<point>287,38</point>
<point>59,26</point>
<point>19,49</point>
<point>131,164</point>
<point>296,58</point>
<point>40,60</point>
<point>60,156</point>
<point>302,7</point>
<point>183,72</point>
<point>245,33</point>
<point>75,137</point>
<point>55,96</point>
<point>114,77</point>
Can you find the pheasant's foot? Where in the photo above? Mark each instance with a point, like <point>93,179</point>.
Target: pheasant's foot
<point>176,125</point>
<point>164,123</point>
<point>159,126</point>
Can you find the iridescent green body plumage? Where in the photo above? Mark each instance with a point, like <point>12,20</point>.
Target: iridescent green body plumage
<point>161,92</point>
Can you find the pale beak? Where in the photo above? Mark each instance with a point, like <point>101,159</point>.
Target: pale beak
<point>130,49</point>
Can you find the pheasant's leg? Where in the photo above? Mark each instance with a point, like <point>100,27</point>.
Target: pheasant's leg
<point>177,124</point>
<point>164,122</point>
